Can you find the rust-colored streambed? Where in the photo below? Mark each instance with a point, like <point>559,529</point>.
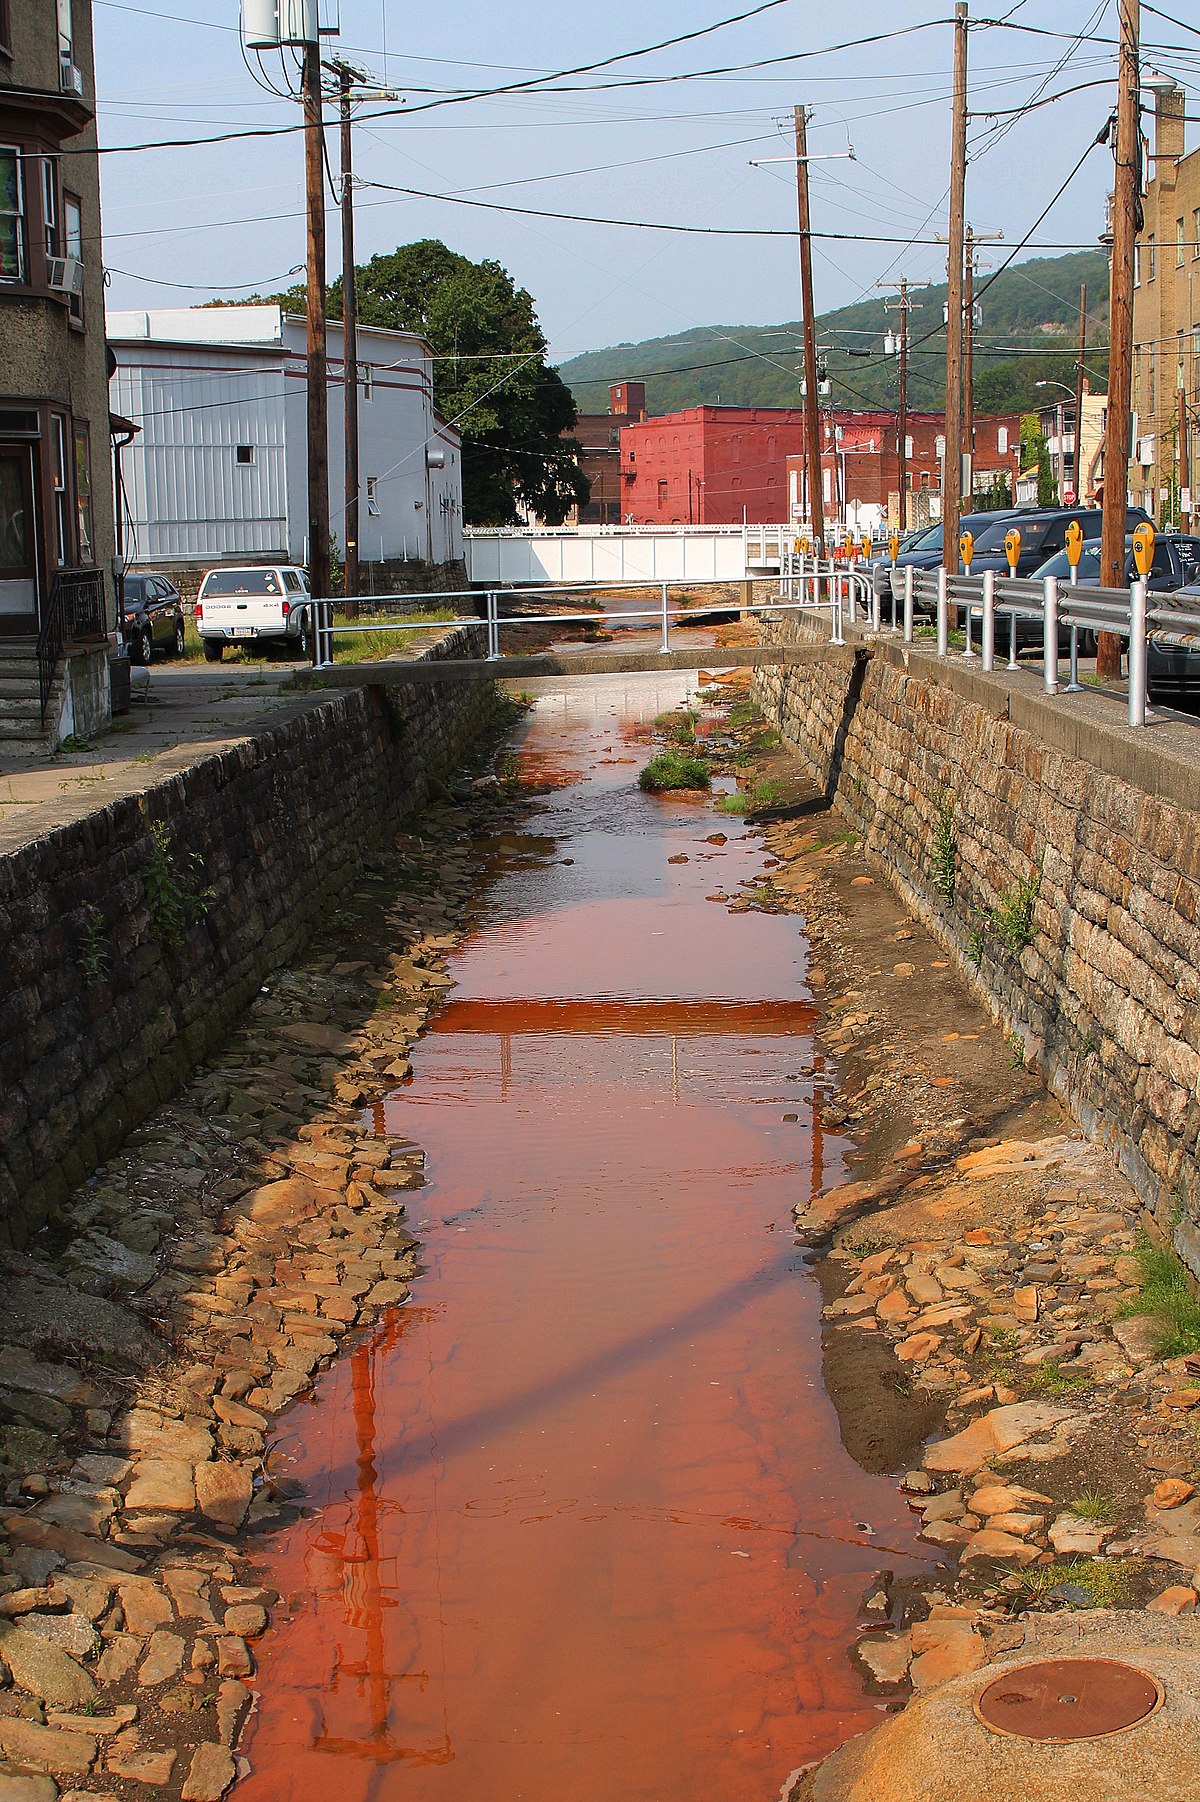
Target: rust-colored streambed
<point>583,1525</point>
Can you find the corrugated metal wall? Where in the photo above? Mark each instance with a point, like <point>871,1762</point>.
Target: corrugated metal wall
<point>189,497</point>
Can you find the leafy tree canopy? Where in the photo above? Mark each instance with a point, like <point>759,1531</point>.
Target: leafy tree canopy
<point>491,379</point>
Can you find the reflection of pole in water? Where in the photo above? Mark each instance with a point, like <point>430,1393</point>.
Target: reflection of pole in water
<point>818,1135</point>
<point>675,1068</point>
<point>505,1064</point>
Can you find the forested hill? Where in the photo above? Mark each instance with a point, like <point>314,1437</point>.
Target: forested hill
<point>1029,333</point>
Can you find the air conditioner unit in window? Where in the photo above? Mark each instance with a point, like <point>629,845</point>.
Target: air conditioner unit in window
<point>1145,454</point>
<point>70,79</point>
<point>64,275</point>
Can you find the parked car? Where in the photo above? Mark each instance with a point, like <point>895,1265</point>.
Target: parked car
<point>1043,532</point>
<point>881,563</point>
<point>152,615</point>
<point>927,552</point>
<point>259,604</point>
<point>1176,562</point>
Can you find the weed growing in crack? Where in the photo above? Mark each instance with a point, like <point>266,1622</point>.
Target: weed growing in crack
<point>945,852</point>
<point>1091,1504</point>
<point>1012,917</point>
<point>93,951</point>
<point>174,897</point>
<point>1166,1293</point>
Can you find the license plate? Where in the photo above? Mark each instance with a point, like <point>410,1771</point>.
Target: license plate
<point>243,631</point>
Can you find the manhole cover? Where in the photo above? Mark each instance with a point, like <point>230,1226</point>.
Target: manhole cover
<point>1068,1698</point>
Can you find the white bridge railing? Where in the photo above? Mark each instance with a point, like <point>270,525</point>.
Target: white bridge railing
<point>624,554</point>
<point>1045,606</point>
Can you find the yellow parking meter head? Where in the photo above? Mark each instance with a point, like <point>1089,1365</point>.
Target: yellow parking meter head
<point>1012,547</point>
<point>966,547</point>
<point>1074,543</point>
<point>893,545</point>
<point>1143,547</point>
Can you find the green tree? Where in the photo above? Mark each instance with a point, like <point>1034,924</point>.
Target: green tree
<point>491,379</point>
<point>1034,449</point>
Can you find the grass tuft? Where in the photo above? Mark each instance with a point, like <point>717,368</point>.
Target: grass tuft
<point>1105,1581</point>
<point>1166,1293</point>
<point>671,770</point>
<point>766,792</point>
<point>1091,1504</point>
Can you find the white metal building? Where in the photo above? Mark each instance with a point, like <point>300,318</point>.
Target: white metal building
<point>218,470</point>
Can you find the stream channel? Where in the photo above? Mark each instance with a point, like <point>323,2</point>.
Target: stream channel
<point>580,1521</point>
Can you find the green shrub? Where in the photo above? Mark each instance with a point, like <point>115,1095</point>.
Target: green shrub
<point>670,769</point>
<point>1166,1293</point>
<point>1012,917</point>
<point>945,853</point>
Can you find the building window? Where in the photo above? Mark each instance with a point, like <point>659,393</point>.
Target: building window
<point>83,493</point>
<point>1196,231</point>
<point>1179,243</point>
<point>50,205</point>
<point>12,215</point>
<point>245,453</point>
<point>73,235</point>
<point>1002,440</point>
<point>662,494</point>
<point>1152,383</point>
<point>1137,377</point>
<point>373,496</point>
<point>1151,257</point>
<point>908,444</point>
<point>66,34</point>
<point>1180,366</point>
<point>939,445</point>
<point>62,520</point>
<point>1137,265</point>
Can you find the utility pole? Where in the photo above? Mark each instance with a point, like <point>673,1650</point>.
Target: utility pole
<point>1185,468</point>
<point>1078,483</point>
<point>904,306</point>
<point>952,478</point>
<point>1126,219</point>
<point>968,366</point>
<point>349,342</point>
<point>318,394</point>
<point>812,418</point>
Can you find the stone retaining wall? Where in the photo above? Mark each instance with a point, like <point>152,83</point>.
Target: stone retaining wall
<point>130,940</point>
<point>1076,878</point>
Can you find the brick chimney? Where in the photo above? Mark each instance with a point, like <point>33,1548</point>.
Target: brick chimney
<point>628,398</point>
<point>1168,130</point>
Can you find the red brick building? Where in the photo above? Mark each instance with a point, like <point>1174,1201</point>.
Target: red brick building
<point>860,469</point>
<point>721,465</point>
<point>600,436</point>
<point>709,466</point>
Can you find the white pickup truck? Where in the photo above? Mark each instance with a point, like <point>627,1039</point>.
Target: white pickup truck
<point>259,604</point>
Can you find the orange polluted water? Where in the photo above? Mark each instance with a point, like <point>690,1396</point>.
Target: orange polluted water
<point>582,1520</point>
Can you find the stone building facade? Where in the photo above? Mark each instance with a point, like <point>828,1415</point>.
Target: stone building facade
<point>1166,318</point>
<point>56,492</point>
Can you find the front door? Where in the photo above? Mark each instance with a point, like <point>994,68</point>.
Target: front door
<point>18,542</point>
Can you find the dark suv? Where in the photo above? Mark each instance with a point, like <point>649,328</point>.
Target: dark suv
<point>926,553</point>
<point>152,615</point>
<point>1043,532</point>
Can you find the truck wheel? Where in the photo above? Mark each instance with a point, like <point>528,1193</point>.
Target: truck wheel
<point>180,638</point>
<point>212,650</point>
<point>301,640</point>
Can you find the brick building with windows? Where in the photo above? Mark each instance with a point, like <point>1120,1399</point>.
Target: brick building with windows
<point>599,434</point>
<point>56,512</point>
<point>1166,318</point>
<point>709,466</point>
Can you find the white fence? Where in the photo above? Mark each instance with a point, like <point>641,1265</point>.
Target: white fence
<point>625,554</point>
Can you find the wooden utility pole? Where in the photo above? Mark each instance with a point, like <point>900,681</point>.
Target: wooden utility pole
<point>902,410</point>
<point>1125,219</point>
<point>1185,468</point>
<point>1078,482</point>
<point>952,475</point>
<point>349,344</point>
<point>318,392</point>
<point>812,416</point>
<point>968,443</point>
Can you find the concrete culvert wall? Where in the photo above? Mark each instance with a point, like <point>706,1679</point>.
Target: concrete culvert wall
<point>1056,854</point>
<point>132,938</point>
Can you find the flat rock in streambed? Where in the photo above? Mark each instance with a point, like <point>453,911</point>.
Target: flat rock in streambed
<point>1003,1430</point>
<point>46,1671</point>
<point>64,1322</point>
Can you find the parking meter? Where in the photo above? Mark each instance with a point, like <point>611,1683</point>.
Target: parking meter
<point>893,545</point>
<point>966,549</point>
<point>1012,549</point>
<point>1074,547</point>
<point>1143,548</point>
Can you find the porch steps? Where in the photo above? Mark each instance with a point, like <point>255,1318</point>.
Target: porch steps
<point>20,709</point>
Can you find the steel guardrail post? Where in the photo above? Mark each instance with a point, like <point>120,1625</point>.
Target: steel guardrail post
<point>493,626</point>
<point>892,587</point>
<point>908,604</point>
<point>1137,653</point>
<point>666,624</point>
<point>1012,638</point>
<point>943,616</point>
<point>874,607</point>
<point>987,629</point>
<point>968,653</point>
<point>1050,635</point>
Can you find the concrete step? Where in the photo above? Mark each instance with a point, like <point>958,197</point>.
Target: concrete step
<point>17,687</point>
<point>21,707</point>
<point>21,650</point>
<point>23,730</point>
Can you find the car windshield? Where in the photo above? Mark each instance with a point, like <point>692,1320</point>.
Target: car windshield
<point>1059,565</point>
<point>241,581</point>
<point>992,537</point>
<point>930,540</point>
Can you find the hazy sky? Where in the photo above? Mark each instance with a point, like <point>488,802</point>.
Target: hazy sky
<point>220,215</point>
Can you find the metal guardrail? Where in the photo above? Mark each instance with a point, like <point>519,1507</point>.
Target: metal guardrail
<point>1048,603</point>
<point>843,589</point>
